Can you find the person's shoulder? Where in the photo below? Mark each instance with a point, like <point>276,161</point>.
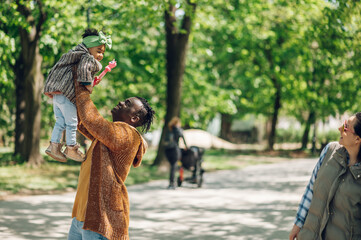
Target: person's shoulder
<point>75,53</point>
<point>122,124</point>
<point>178,129</point>
<point>128,128</point>
<point>130,132</point>
<point>333,147</point>
<point>88,58</point>
<point>80,48</point>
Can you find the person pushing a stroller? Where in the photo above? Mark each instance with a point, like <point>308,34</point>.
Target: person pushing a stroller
<point>189,158</point>
<point>172,150</point>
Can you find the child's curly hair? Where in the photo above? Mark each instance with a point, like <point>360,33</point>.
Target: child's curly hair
<point>91,32</point>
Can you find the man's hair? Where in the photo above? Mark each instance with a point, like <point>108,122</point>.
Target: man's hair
<point>90,32</point>
<point>146,115</point>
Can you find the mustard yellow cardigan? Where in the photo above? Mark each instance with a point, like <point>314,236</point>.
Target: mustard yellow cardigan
<point>119,147</point>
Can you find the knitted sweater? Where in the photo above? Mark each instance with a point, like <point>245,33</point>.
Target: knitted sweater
<point>60,78</point>
<point>119,147</point>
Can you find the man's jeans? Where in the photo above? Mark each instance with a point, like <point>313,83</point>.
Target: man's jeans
<point>66,119</point>
<point>77,233</point>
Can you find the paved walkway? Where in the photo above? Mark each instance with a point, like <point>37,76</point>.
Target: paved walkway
<point>258,202</point>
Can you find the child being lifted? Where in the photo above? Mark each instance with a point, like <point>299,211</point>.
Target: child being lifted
<point>60,87</point>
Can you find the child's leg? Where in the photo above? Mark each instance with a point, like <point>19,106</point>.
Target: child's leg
<point>59,126</point>
<point>54,149</point>
<point>71,122</point>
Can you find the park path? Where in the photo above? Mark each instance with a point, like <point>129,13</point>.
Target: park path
<point>257,202</point>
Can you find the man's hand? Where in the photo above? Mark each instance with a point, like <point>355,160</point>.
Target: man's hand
<point>49,95</point>
<point>294,232</point>
<point>89,88</point>
<point>80,88</point>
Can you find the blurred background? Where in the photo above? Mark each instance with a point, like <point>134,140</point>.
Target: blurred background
<point>260,75</point>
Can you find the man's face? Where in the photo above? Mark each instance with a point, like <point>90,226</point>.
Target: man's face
<point>97,52</point>
<point>127,111</point>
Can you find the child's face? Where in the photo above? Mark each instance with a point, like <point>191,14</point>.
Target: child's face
<point>97,52</point>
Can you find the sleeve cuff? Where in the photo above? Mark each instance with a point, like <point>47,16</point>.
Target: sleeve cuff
<point>85,83</point>
<point>299,223</point>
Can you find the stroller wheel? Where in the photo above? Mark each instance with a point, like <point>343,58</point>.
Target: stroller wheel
<point>199,180</point>
<point>199,175</point>
<point>179,181</point>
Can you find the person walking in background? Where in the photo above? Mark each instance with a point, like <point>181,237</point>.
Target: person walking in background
<point>172,150</point>
<point>101,206</point>
<point>330,208</point>
<point>60,87</point>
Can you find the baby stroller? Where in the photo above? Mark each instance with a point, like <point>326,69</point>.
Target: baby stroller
<point>191,160</point>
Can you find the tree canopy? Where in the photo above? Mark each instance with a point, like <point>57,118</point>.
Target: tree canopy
<point>270,58</point>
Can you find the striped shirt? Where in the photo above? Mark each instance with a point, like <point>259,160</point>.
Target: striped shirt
<point>60,78</point>
<point>307,196</point>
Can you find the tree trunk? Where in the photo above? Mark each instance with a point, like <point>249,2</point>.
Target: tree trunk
<point>314,137</point>
<point>276,108</point>
<point>310,120</point>
<point>226,125</point>
<point>277,85</point>
<point>28,84</point>
<point>176,49</point>
<point>268,126</point>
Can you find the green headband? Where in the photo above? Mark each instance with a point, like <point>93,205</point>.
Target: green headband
<point>93,41</point>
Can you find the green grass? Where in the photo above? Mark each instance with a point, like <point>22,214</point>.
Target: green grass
<point>51,176</point>
<point>16,177</point>
<point>228,159</point>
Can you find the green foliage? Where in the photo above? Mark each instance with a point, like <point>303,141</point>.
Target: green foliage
<point>327,82</point>
<point>236,49</point>
<point>289,135</point>
<point>329,136</point>
<point>138,47</point>
<point>8,159</point>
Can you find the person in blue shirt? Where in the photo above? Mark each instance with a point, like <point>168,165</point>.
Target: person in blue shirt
<point>330,208</point>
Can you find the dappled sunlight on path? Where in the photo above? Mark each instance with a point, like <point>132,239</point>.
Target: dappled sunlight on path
<point>257,202</point>
<point>36,217</point>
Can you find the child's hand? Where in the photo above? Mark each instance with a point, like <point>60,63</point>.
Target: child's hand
<point>96,81</point>
<point>108,68</point>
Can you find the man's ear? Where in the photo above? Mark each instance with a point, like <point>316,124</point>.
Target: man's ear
<point>134,119</point>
